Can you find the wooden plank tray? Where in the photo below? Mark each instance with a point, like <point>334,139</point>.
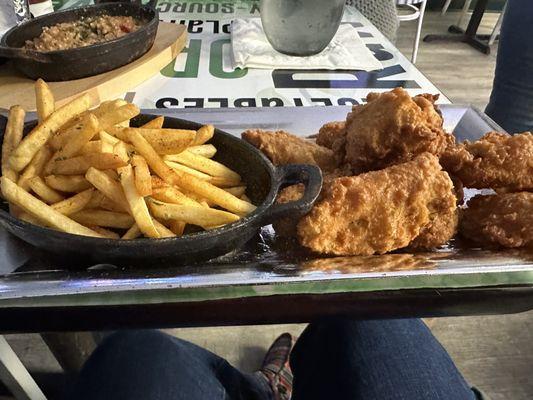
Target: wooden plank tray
<point>170,40</point>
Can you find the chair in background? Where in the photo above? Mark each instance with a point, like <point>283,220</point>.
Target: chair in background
<point>416,10</point>
<point>464,12</point>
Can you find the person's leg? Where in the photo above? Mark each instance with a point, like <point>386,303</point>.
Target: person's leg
<point>141,365</point>
<point>511,100</point>
<point>374,360</point>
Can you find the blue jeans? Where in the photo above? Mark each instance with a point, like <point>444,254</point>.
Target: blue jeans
<point>337,359</point>
<point>511,100</point>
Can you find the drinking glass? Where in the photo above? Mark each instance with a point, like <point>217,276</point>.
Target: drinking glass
<point>300,27</point>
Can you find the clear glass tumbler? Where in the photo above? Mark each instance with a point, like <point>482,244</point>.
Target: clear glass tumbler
<point>301,27</point>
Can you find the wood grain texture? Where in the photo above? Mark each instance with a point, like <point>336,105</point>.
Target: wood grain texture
<point>463,74</point>
<point>170,40</point>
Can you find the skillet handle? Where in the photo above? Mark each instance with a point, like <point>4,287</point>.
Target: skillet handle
<point>310,176</point>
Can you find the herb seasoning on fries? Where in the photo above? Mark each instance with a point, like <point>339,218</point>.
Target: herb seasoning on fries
<point>85,171</point>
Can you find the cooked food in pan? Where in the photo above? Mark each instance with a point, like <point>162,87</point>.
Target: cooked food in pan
<point>84,32</point>
<point>393,179</point>
<point>87,172</point>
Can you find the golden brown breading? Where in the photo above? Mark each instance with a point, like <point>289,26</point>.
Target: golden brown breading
<point>392,128</point>
<point>497,160</point>
<point>283,148</point>
<point>331,133</point>
<point>499,220</point>
<point>378,211</point>
<point>286,227</point>
<point>441,228</point>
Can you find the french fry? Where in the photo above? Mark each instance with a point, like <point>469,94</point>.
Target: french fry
<point>204,165</point>
<point>204,150</point>
<point>45,192</point>
<point>96,200</point>
<point>245,198</point>
<point>188,170</point>
<point>195,215</point>
<point>237,191</point>
<point>104,218</point>
<point>136,203</point>
<point>108,204</point>
<point>132,233</point>
<point>80,164</point>
<point>108,186</point>
<point>35,167</point>
<point>30,219</point>
<point>44,100</point>
<point>121,152</point>
<point>12,138</point>
<point>70,132</point>
<point>86,129</point>
<point>164,141</point>
<point>169,194</point>
<point>156,123</point>
<point>178,227</point>
<point>75,203</point>
<point>214,180</point>
<point>16,195</point>
<point>31,144</point>
<point>186,181</point>
<point>157,182</point>
<point>163,231</point>
<point>113,174</point>
<point>104,232</point>
<point>106,137</point>
<point>95,146</point>
<point>107,106</point>
<point>118,115</point>
<point>68,183</point>
<point>143,182</point>
<point>204,134</point>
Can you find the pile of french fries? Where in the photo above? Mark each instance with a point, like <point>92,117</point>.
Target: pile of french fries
<point>87,172</point>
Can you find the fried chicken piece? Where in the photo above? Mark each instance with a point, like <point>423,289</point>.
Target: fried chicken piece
<point>331,133</point>
<point>283,148</point>
<point>392,128</point>
<point>504,220</point>
<point>286,227</point>
<point>444,219</point>
<point>378,211</point>
<point>497,160</point>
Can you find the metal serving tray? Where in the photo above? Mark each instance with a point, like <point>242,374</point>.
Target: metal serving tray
<point>266,267</point>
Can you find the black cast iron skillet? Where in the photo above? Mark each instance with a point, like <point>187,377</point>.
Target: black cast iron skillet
<point>263,181</point>
<point>65,65</point>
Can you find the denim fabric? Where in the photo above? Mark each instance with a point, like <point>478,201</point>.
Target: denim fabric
<point>511,100</point>
<point>150,365</point>
<point>374,360</point>
<point>337,359</point>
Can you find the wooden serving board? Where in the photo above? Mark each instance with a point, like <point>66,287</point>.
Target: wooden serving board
<point>15,88</point>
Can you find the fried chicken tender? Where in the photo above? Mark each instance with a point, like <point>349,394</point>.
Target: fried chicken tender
<point>504,220</point>
<point>283,148</point>
<point>332,134</point>
<point>392,128</point>
<point>497,160</point>
<point>444,219</point>
<point>286,227</point>
<point>378,211</point>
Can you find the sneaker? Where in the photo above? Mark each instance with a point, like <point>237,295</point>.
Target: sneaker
<point>276,369</point>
